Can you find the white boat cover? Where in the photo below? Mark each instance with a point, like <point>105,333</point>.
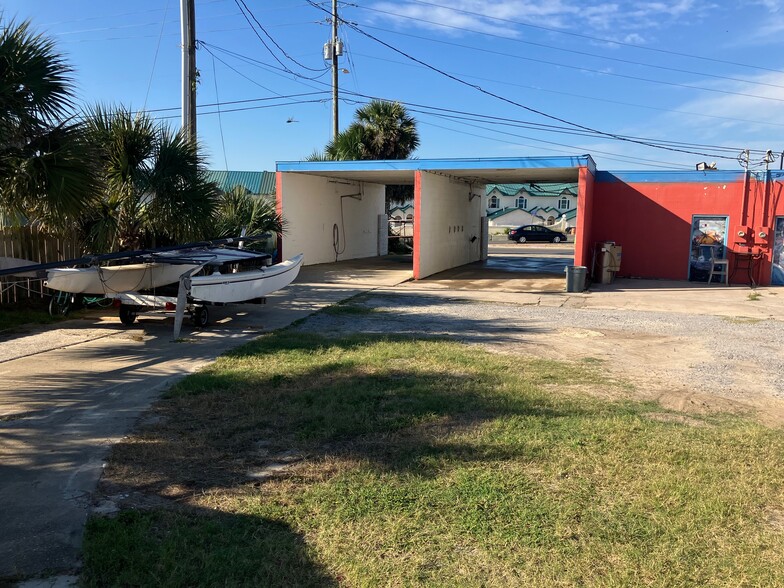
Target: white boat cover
<point>110,280</point>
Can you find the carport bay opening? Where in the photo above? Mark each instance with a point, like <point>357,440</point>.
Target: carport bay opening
<point>450,205</point>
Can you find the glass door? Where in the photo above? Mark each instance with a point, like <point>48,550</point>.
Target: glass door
<point>708,242</point>
<point>777,276</point>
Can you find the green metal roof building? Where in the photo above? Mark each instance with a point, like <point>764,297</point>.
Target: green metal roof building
<point>261,183</point>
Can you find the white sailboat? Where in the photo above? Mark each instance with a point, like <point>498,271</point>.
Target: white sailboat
<point>247,285</point>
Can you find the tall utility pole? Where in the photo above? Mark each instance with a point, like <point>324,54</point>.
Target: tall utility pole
<point>188,35</point>
<point>335,48</point>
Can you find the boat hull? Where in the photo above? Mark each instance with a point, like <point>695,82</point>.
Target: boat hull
<point>243,286</point>
<point>115,279</point>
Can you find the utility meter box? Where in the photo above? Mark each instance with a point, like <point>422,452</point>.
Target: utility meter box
<point>762,236</point>
<point>609,261</point>
<point>743,235</point>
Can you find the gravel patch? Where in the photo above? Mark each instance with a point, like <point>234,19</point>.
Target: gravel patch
<point>733,358</point>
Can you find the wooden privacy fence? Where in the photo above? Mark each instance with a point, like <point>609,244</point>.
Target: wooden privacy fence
<point>37,247</point>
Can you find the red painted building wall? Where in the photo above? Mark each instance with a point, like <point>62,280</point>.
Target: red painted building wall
<point>650,214</point>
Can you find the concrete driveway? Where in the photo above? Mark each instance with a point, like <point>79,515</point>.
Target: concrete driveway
<point>68,392</point>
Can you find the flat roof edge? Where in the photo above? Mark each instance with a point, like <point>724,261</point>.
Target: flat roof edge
<point>686,176</point>
<point>439,164</point>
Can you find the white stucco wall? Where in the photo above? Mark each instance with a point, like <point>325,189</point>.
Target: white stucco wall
<point>514,219</point>
<point>311,206</point>
<point>447,221</point>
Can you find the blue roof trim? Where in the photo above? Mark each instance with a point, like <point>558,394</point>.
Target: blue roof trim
<point>439,164</point>
<point>674,177</point>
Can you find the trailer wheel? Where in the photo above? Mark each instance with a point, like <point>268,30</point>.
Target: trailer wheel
<point>127,315</point>
<point>200,316</point>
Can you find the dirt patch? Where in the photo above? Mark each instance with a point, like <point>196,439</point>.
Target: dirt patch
<point>678,372</point>
<point>681,419</point>
<point>774,517</point>
<point>692,363</point>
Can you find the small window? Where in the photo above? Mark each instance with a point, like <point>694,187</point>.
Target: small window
<point>493,202</point>
<point>521,202</point>
<point>550,220</point>
<point>409,216</point>
<point>563,204</point>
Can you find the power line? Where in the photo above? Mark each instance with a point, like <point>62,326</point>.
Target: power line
<point>537,147</point>
<point>577,67</point>
<point>266,66</point>
<point>599,39</point>
<point>261,107</point>
<point>574,51</point>
<point>220,120</point>
<point>497,120</point>
<point>609,154</point>
<point>157,50</point>
<point>235,70</point>
<point>121,15</point>
<point>570,129</point>
<point>241,4</point>
<point>225,103</point>
<point>517,104</point>
<point>582,96</point>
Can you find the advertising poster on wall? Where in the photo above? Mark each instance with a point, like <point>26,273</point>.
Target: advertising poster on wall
<point>708,242</point>
<point>777,278</point>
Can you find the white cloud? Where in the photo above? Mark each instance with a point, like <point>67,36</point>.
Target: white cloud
<point>619,18</point>
<point>634,38</point>
<point>732,120</point>
<point>771,5</point>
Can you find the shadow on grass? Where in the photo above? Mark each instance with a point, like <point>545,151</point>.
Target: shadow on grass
<point>389,401</point>
<point>296,405</point>
<point>189,548</point>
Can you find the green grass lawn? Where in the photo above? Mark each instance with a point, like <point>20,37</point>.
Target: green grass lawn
<point>427,462</point>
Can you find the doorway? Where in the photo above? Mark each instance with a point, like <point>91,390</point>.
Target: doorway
<point>708,243</point>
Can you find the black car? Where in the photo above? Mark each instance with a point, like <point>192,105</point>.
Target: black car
<point>535,233</point>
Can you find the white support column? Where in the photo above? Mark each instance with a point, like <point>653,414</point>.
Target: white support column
<point>383,234</point>
<point>485,238</point>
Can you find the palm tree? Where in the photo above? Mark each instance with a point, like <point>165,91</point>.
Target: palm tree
<point>155,183</point>
<point>239,211</point>
<point>46,175</point>
<point>390,131</point>
<point>349,145</point>
<point>381,130</point>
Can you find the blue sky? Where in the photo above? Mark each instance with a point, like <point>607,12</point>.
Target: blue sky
<point>703,80</point>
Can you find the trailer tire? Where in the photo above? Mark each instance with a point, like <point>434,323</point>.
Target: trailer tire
<point>127,315</point>
<point>201,317</point>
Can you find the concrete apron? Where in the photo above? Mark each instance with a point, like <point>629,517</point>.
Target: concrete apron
<point>67,393</point>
